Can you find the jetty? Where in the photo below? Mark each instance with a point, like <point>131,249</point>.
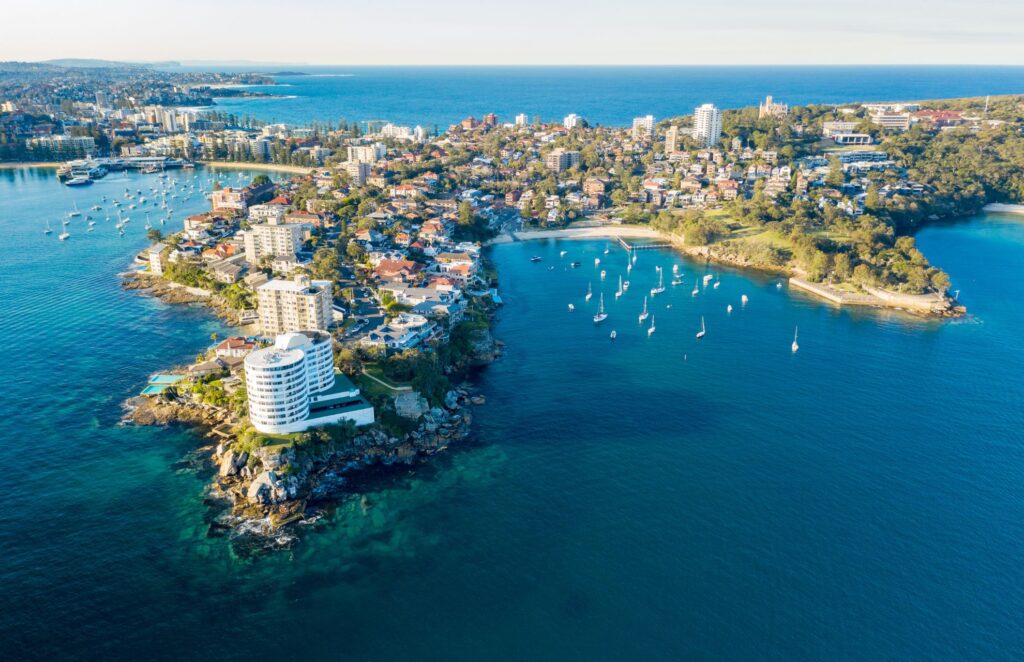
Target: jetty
<point>644,245</point>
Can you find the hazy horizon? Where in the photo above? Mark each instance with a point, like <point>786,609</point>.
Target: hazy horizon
<point>571,32</point>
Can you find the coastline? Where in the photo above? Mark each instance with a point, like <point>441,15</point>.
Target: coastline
<point>265,167</point>
<point>1003,208</point>
<point>17,165</point>
<point>927,305</point>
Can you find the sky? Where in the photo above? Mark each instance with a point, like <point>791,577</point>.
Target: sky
<point>467,32</point>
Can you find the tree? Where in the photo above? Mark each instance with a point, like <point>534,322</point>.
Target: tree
<point>835,175</point>
<point>154,234</point>
<point>260,180</point>
<point>466,214</point>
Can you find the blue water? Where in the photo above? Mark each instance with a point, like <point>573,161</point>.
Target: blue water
<point>859,499</point>
<point>606,95</point>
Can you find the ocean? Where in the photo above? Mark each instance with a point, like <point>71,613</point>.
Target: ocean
<point>439,96</point>
<point>651,497</point>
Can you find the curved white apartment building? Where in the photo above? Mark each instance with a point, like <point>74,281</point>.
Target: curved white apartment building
<point>292,386</point>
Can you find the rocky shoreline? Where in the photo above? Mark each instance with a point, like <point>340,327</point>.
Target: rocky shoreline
<point>260,496</point>
<point>173,293</point>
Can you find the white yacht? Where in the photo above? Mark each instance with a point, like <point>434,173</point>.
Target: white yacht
<point>703,331</point>
<point>661,285</point>
<point>590,293</point>
<point>795,346</point>
<point>601,315</point>
<point>644,315</point>
<point>650,331</point>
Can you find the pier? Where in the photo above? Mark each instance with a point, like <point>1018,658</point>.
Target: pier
<point>651,245</point>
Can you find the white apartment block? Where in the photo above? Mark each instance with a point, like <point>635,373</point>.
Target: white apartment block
<point>357,172</point>
<point>292,386</point>
<point>274,239</point>
<point>286,306</point>
<point>643,127</point>
<point>707,124</point>
<point>366,153</point>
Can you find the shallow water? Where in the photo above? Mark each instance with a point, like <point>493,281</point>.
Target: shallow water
<point>655,497</point>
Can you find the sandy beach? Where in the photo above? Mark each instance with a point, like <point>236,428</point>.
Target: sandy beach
<point>267,167</point>
<point>1004,208</point>
<point>14,165</point>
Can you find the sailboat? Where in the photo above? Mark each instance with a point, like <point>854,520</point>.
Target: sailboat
<point>644,314</point>
<point>634,257</point>
<point>75,211</point>
<point>618,292</point>
<point>651,330</point>
<point>728,309</point>
<point>702,332</point>
<point>744,299</point>
<point>696,288</point>
<point>590,293</point>
<point>571,307</point>
<point>717,283</point>
<point>603,274</point>
<point>661,284</point>
<point>629,267</point>
<point>625,286</point>
<point>795,346</point>
<point>707,279</point>
<point>48,229</point>
<point>606,249</point>
<point>675,268</point>
<point>597,261</point>
<point>63,235</point>
<point>601,315</point>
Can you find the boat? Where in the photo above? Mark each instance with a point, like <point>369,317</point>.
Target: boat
<point>535,258</point>
<point>703,331</point>
<point>65,222</point>
<point>48,229</point>
<point>606,249</point>
<point>613,335</point>
<point>717,283</point>
<point>707,279</point>
<point>678,280</point>
<point>597,261</point>
<point>629,267</point>
<point>96,208</point>
<point>63,235</point>
<point>675,268</point>
<point>625,286</point>
<point>590,293</point>
<point>618,292</point>
<point>778,286</point>
<point>603,274</point>
<point>81,180</point>
<point>661,285</point>
<point>651,329</point>
<point>74,212</point>
<point>728,309</point>
<point>795,346</point>
<point>634,257</point>
<point>644,315</point>
<point>696,288</point>
<point>571,307</point>
<point>562,253</point>
<point>90,229</point>
<point>92,223</point>
<point>744,299</point>
<point>601,315</point>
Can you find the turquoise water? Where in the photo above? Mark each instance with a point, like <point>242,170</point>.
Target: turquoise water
<point>859,499</point>
<point>605,95</point>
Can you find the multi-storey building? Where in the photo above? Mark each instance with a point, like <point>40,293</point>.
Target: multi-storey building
<point>643,127</point>
<point>286,306</point>
<point>274,239</point>
<point>292,386</point>
<point>707,124</point>
<point>560,159</point>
